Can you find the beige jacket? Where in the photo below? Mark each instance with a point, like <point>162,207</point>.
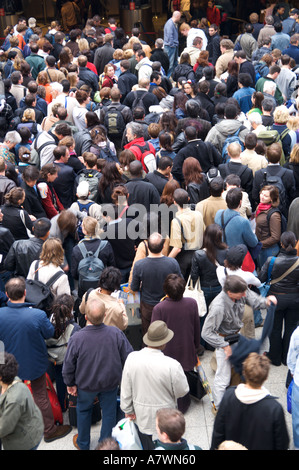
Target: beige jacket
<point>208,208</point>
<point>253,160</point>
<point>222,62</point>
<point>115,309</point>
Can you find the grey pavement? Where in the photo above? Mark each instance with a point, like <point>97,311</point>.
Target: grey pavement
<point>199,417</point>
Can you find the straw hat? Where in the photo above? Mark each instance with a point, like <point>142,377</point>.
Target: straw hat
<point>157,334</point>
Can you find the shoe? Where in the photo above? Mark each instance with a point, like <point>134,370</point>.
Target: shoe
<point>60,431</point>
<point>75,437</point>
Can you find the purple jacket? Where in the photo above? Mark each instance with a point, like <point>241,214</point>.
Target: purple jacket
<point>95,357</point>
<point>183,319</point>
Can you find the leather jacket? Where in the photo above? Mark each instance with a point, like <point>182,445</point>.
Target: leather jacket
<point>21,254</point>
<point>284,260</point>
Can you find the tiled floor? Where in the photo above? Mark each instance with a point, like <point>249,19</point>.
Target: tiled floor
<point>199,418</point>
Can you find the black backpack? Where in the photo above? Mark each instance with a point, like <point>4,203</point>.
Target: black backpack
<point>40,294</point>
<point>276,180</point>
<point>114,121</point>
<point>138,101</point>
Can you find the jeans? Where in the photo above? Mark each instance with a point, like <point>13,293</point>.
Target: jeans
<point>295,415</point>
<point>172,53</point>
<point>108,403</point>
<point>266,252</point>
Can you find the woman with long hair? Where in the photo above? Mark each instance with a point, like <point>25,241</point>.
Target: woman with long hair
<point>205,263</point>
<point>232,78</point>
<point>201,63</point>
<point>168,123</point>
<point>256,99</point>
<point>15,217</point>
<point>65,58</point>
<point>44,80</point>
<point>196,183</point>
<point>179,101</point>
<point>184,68</point>
<point>165,141</point>
<point>111,177</point>
<point>50,261</point>
<point>167,199</point>
<point>49,198</point>
<point>65,326</point>
<point>109,78</point>
<point>268,223</point>
<point>101,145</point>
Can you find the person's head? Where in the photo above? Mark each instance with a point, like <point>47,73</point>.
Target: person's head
<point>8,369</point>
<point>235,287</point>
<point>192,171</point>
<point>158,335</point>
<point>234,150</point>
<point>155,243</point>
<point>216,186</point>
<point>52,252</point>
<point>15,197</point>
<point>170,425</point>
<point>230,111</point>
<point>274,153</point>
<point>174,287</point>
<point>109,443</point>
<point>270,195</point>
<point>134,131</point>
<point>234,198</point>
<point>119,195</point>
<point>294,156</point>
<point>82,192</point>
<point>61,154</point>
<point>89,159</point>
<point>235,257</point>
<point>136,169</point>
<point>49,172</point>
<point>288,241</point>
<point>281,115</point>
<point>30,175</point>
<point>110,279</point>
<point>67,221</point>
<point>12,138</point>
<point>62,313</point>
<point>250,141</point>
<point>165,165</point>
<point>15,289</point>
<point>89,226</point>
<point>167,193</point>
<point>41,228</point>
<point>226,45</point>
<point>95,311</point>
<point>256,369</point>
<point>244,80</point>
<point>181,197</point>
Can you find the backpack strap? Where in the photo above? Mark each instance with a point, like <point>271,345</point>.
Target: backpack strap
<point>83,249</point>
<point>54,278</point>
<point>101,246</point>
<point>270,267</point>
<point>226,223</point>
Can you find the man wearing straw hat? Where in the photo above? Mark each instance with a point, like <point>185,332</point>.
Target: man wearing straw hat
<point>151,381</point>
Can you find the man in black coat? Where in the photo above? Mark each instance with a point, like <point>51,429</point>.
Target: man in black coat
<point>235,167</point>
<point>87,75</point>
<point>126,79</point>
<point>206,154</point>
<point>140,191</point>
<point>214,44</point>
<point>143,93</point>
<point>103,55</point>
<point>65,181</point>
<point>162,175</point>
<point>23,252</point>
<point>159,55</point>
<point>244,65</point>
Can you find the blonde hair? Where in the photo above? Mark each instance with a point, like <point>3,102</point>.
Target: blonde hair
<point>90,225</point>
<point>281,115</point>
<point>83,44</point>
<point>293,123</point>
<point>28,115</point>
<point>118,54</point>
<point>52,252</point>
<point>294,157</point>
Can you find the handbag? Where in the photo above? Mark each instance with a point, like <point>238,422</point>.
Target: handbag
<point>195,384</point>
<point>126,434</point>
<point>264,288</point>
<point>195,292</point>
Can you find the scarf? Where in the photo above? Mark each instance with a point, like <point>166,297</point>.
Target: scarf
<point>262,207</point>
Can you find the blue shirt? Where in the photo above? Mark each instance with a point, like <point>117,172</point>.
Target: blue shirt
<point>243,96</point>
<point>171,34</point>
<point>238,231</point>
<point>293,52</point>
<point>280,41</point>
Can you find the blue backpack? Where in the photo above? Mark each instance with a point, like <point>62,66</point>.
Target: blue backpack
<point>229,140</point>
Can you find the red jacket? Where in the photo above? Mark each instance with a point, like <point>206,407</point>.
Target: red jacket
<point>213,15</point>
<point>139,153</point>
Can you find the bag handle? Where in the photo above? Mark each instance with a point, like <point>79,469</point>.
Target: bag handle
<point>294,266</point>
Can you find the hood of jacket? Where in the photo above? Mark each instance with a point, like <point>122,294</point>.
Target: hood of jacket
<point>249,396</point>
<point>228,126</point>
<point>143,61</point>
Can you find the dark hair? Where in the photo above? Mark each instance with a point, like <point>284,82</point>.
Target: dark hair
<point>245,79</point>
<point>212,240</point>
<point>110,279</point>
<point>216,186</point>
<point>30,173</point>
<point>181,197</point>
<point>62,310</point>
<point>230,111</point>
<point>174,286</point>
<point>41,227</point>
<point>165,140</point>
<point>15,288</point>
<point>165,162</point>
<point>8,370</point>
<point>235,284</point>
<point>171,422</point>
<point>250,140</point>
<point>288,240</point>
<point>110,177</point>
<point>233,198</point>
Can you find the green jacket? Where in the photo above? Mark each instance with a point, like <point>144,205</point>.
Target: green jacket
<point>183,445</point>
<point>260,85</point>
<point>21,421</point>
<point>37,64</point>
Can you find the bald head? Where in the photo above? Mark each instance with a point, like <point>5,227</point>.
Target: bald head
<point>234,150</point>
<point>95,311</point>
<point>136,168</point>
<point>155,243</point>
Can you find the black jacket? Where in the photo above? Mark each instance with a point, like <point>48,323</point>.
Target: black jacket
<point>157,179</point>
<point>89,77</point>
<point>245,174</point>
<point>158,55</point>
<point>126,81</point>
<point>149,99</point>
<point>284,260</point>
<point>183,70</point>
<point>142,192</point>
<point>64,184</point>
<point>199,150</point>
<point>204,269</point>
<point>258,426</point>
<point>6,241</point>
<point>21,254</point>
<point>32,203</point>
<point>198,191</point>
<point>214,48</point>
<point>12,220</point>
<point>295,169</point>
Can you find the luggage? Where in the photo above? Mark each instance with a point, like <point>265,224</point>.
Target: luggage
<point>72,405</point>
<point>56,408</point>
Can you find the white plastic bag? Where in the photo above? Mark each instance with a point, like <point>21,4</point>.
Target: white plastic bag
<point>195,292</point>
<point>126,434</point>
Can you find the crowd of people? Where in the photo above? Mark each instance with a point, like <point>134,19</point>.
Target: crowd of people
<point>129,168</point>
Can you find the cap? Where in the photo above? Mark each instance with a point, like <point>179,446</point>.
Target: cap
<point>82,189</point>
<point>235,255</point>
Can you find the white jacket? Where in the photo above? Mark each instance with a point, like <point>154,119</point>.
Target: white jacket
<point>151,381</point>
